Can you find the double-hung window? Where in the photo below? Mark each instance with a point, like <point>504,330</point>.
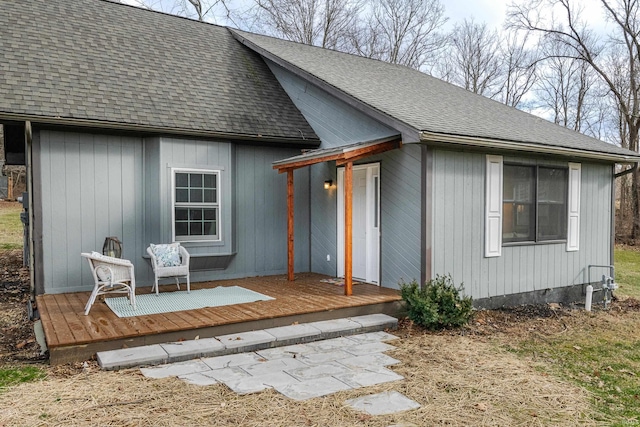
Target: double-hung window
<point>534,203</point>
<point>196,205</point>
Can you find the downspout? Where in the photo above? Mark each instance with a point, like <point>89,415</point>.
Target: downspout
<point>613,201</point>
<point>613,206</point>
<point>28,136</point>
<point>612,245</point>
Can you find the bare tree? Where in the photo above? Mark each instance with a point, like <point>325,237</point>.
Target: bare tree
<point>564,87</point>
<point>202,10</point>
<point>403,32</point>
<point>474,59</point>
<point>582,43</point>
<point>322,23</point>
<point>519,64</point>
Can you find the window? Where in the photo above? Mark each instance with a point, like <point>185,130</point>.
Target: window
<point>534,203</point>
<point>196,205</point>
<point>531,204</point>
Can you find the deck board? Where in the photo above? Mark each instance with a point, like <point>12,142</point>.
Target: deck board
<point>66,326</point>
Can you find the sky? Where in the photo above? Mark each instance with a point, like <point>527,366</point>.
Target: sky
<point>491,12</point>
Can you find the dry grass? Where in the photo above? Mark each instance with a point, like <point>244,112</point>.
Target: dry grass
<point>458,380</point>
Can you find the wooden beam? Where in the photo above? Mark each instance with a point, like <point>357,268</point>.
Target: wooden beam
<point>290,224</point>
<point>342,157</point>
<point>348,229</point>
<point>308,162</point>
<point>361,153</point>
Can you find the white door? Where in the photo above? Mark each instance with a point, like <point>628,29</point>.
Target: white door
<point>366,222</point>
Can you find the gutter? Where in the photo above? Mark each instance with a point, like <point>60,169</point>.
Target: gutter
<point>426,136</point>
<point>132,127</point>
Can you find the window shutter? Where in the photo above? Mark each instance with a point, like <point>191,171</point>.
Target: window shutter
<point>573,208</point>
<point>493,215</point>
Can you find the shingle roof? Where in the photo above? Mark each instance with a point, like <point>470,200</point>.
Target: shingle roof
<point>422,102</point>
<point>96,60</point>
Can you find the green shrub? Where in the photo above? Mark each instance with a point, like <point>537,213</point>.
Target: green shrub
<point>438,304</point>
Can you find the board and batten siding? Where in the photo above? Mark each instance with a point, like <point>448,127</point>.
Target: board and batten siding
<point>400,215</point>
<point>253,202</point>
<point>190,154</point>
<point>261,214</point>
<point>323,221</point>
<point>91,187</point>
<point>338,124</point>
<point>333,120</point>
<point>459,221</point>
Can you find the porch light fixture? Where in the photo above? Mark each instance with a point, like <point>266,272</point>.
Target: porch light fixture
<point>112,247</point>
<point>328,184</point>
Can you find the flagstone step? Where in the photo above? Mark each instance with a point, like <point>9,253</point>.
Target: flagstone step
<point>243,342</point>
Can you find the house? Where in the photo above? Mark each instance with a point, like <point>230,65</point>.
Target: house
<point>125,110</point>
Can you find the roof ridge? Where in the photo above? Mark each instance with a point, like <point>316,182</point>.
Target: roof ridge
<point>327,49</point>
<point>160,12</point>
<point>403,95</point>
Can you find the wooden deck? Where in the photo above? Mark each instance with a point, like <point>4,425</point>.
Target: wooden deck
<point>71,336</point>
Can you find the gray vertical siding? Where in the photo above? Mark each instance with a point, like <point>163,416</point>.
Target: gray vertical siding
<point>458,232</point>
<point>335,122</point>
<point>399,216</point>
<point>253,205</point>
<point>91,188</point>
<point>95,186</point>
<point>261,206</point>
<point>324,232</point>
<point>400,213</point>
<point>153,227</point>
<point>197,154</point>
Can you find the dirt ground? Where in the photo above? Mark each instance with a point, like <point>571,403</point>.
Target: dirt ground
<point>460,377</point>
<point>17,339</point>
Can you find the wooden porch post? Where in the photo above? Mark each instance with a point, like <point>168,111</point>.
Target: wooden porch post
<point>348,228</point>
<point>290,224</point>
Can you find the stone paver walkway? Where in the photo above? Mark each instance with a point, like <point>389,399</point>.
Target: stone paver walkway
<point>301,361</point>
<point>246,341</point>
<point>388,402</point>
<point>298,371</point>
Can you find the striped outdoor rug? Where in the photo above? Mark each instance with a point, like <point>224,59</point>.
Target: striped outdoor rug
<point>167,302</point>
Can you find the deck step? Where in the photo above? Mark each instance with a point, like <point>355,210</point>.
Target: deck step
<point>157,354</point>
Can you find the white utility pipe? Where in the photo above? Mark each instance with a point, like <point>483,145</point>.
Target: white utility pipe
<point>587,302</point>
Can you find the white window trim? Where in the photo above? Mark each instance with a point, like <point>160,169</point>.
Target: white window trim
<point>218,205</point>
<point>493,207</point>
<point>573,208</point>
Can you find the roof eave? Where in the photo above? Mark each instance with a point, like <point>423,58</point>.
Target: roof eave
<point>141,128</point>
<point>409,133</point>
<point>328,152</point>
<point>340,155</point>
<point>426,136</point>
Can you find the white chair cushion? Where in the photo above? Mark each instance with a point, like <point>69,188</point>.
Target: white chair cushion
<point>181,270</point>
<point>167,255</point>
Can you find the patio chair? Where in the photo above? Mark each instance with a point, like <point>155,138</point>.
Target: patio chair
<point>111,276</point>
<point>171,260</point>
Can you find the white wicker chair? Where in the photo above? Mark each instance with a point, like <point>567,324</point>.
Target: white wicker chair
<point>175,272</point>
<point>111,276</point>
